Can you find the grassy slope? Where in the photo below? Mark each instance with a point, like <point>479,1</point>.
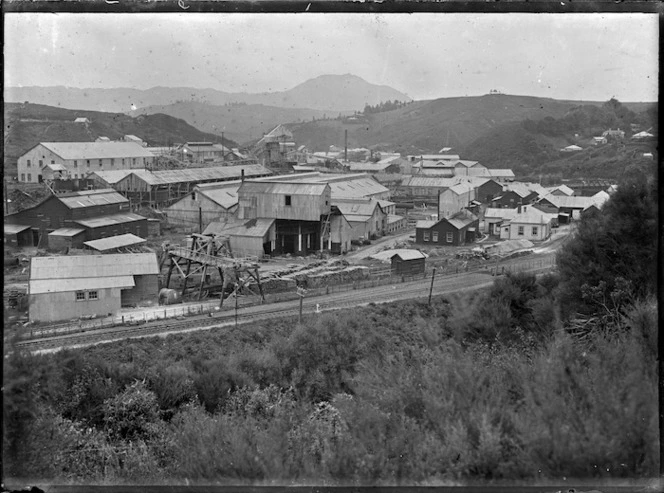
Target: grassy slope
<point>27,125</point>
<point>426,126</point>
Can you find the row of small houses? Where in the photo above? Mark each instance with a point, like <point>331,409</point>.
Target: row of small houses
<point>532,219</point>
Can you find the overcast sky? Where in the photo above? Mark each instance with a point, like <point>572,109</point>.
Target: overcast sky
<point>564,56</point>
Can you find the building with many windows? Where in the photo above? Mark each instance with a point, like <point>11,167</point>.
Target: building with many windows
<point>75,160</point>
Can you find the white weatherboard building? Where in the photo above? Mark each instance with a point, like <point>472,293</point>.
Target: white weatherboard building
<point>74,160</point>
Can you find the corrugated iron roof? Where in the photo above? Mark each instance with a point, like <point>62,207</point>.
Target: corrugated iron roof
<point>91,198</point>
<point>69,232</point>
<point>113,176</point>
<point>97,222</point>
<point>293,188</point>
<point>356,208</point>
<point>532,217</point>
<point>495,212</point>
<point>370,167</point>
<point>431,181</point>
<point>223,194</point>
<point>164,177</point>
<point>12,229</point>
<point>113,242</point>
<point>42,286</point>
<point>571,202</point>
<point>92,266</point>
<point>240,227</point>
<point>409,255</point>
<point>96,150</point>
<point>422,224</point>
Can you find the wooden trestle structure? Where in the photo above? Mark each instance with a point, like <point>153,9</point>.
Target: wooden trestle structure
<point>210,252</point>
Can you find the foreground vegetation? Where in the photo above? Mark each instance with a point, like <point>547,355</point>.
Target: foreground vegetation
<point>533,379</point>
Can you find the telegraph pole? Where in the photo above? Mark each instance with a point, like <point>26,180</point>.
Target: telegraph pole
<point>433,276</point>
<point>300,293</point>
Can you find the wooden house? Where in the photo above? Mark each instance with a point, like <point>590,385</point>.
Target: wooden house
<point>459,229</point>
<point>69,287</point>
<point>529,223</point>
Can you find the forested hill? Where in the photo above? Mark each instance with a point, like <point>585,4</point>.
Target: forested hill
<point>28,124</point>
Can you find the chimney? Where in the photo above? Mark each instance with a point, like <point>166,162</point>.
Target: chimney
<point>346,145</point>
<point>242,174</point>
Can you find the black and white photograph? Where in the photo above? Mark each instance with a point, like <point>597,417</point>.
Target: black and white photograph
<point>341,249</point>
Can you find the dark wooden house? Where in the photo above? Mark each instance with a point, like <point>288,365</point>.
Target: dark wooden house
<point>459,229</point>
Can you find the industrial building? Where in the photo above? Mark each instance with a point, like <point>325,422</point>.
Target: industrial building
<point>162,188</point>
<point>367,218</point>
<point>70,219</point>
<point>206,203</point>
<point>342,186</point>
<point>74,160</point>
<point>301,212</point>
<point>455,199</point>
<point>206,152</point>
<point>277,148</point>
<point>70,287</point>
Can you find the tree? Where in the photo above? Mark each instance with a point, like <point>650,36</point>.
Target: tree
<point>612,249</point>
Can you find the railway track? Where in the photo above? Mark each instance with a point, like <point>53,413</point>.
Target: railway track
<point>335,301</point>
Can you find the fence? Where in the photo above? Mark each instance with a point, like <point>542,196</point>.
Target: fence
<point>379,277</point>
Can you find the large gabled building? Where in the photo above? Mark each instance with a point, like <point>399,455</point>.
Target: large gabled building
<point>68,287</point>
<point>77,160</point>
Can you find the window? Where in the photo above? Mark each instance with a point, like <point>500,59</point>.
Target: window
<point>52,161</point>
<point>28,163</point>
<point>92,295</point>
<point>534,230</point>
<point>29,177</point>
<point>76,176</point>
<point>80,295</point>
<point>520,233</point>
<point>41,163</point>
<point>449,237</point>
<point>75,164</point>
<point>112,162</point>
<point>100,164</point>
<point>22,176</point>
<point>88,162</point>
<point>426,236</point>
<point>133,161</point>
<point>288,200</point>
<point>434,236</point>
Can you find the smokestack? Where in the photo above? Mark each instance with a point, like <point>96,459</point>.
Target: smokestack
<point>346,146</point>
<point>242,174</point>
